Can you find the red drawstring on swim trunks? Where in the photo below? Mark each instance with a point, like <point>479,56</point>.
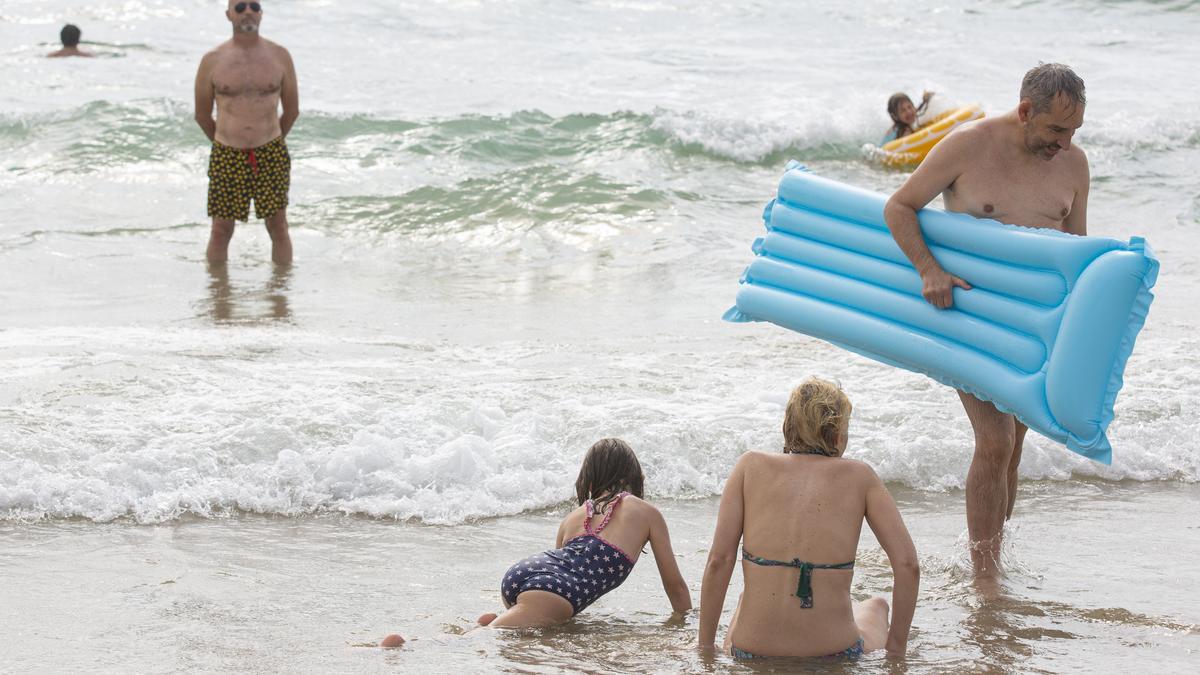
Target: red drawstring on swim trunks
<point>252,160</point>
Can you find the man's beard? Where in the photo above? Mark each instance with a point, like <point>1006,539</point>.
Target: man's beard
<point>1039,147</point>
<point>247,28</point>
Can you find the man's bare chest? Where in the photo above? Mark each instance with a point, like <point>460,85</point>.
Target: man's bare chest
<point>1038,196</point>
<point>248,78</point>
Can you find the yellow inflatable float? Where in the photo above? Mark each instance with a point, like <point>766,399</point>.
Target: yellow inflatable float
<point>911,149</point>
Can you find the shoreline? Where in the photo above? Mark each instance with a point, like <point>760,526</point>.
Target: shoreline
<point>277,593</point>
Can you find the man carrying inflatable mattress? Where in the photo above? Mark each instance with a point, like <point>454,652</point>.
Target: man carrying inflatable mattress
<point>1030,322</point>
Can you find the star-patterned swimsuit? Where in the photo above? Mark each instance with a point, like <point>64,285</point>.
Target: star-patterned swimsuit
<point>584,569</point>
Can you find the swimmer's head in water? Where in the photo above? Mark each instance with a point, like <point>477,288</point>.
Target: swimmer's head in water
<point>817,419</point>
<point>608,468</point>
<point>70,35</point>
<point>245,16</point>
<point>1051,108</point>
<point>901,109</point>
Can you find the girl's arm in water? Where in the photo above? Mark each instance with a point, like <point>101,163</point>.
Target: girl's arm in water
<point>888,526</point>
<point>722,556</point>
<point>668,569</point>
<point>558,538</point>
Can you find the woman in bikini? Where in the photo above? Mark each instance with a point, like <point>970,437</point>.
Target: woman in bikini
<point>798,515</point>
<point>597,545</point>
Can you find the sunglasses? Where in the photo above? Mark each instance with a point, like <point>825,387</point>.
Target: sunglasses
<point>241,7</point>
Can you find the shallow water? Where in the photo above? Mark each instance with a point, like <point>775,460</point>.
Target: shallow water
<point>517,226</point>
<point>279,594</point>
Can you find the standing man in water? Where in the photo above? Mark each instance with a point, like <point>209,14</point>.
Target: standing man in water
<point>248,77</point>
<point>1019,168</point>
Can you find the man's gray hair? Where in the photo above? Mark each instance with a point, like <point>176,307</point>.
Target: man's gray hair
<point>1046,81</point>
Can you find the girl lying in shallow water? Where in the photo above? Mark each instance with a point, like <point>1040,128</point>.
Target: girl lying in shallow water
<point>597,546</point>
<point>798,516</point>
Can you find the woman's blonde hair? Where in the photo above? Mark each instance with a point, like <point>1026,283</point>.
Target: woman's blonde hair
<point>816,412</point>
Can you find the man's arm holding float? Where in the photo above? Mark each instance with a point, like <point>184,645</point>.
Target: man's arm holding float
<point>939,170</point>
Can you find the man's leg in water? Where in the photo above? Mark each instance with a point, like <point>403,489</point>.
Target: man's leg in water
<point>281,242</point>
<point>991,480</point>
<point>218,240</point>
<point>1013,463</point>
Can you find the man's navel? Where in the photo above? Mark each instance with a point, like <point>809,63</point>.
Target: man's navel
<point>988,208</point>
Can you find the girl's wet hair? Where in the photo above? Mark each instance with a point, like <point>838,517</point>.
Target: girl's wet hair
<point>893,107</point>
<point>816,412</point>
<point>899,128</point>
<point>610,467</point>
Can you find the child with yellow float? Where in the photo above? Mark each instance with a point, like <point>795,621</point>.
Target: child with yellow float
<point>907,143</point>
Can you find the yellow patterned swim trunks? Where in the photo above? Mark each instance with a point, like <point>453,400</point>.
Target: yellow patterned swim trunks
<point>236,175</point>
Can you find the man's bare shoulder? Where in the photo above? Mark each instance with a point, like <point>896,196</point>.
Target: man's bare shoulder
<point>223,48</point>
<point>973,134</point>
<point>1078,161</point>
<point>277,50</point>
<point>965,147</point>
<point>216,53</point>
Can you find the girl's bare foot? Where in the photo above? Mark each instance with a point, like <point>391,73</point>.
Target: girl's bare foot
<point>392,641</point>
<point>485,619</point>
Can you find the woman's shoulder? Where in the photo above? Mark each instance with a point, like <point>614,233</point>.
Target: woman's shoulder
<point>847,467</point>
<point>856,475</point>
<point>859,468</point>
<point>754,461</point>
<point>761,457</point>
<point>758,457</point>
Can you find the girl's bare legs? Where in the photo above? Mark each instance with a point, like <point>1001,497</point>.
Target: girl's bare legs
<point>871,617</point>
<point>533,609</point>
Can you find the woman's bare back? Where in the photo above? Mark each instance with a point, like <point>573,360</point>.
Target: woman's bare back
<point>826,498</point>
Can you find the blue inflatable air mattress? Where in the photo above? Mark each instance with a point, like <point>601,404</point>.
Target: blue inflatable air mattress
<point>1044,333</point>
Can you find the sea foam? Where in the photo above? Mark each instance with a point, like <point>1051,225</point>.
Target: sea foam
<point>387,430</point>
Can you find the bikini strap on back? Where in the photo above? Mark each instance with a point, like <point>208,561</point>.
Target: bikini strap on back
<point>591,511</point>
<point>804,587</point>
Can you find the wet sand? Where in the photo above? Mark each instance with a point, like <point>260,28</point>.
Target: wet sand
<point>1093,585</point>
